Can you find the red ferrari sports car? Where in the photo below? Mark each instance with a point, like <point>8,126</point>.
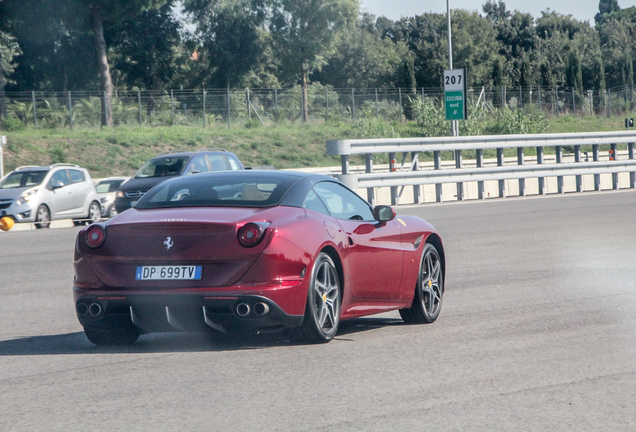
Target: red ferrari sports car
<point>255,251</point>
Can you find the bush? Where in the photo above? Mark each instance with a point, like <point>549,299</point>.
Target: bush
<point>12,124</point>
<point>521,121</point>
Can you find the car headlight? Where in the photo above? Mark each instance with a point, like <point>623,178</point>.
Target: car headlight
<point>119,194</point>
<point>26,196</point>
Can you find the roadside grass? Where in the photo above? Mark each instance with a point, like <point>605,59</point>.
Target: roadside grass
<point>121,150</point>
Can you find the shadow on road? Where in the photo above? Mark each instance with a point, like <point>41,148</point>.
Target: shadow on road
<point>76,343</point>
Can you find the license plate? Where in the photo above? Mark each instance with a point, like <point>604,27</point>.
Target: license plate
<point>168,273</point>
<point>132,203</point>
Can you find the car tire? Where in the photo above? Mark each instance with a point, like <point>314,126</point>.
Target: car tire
<point>429,291</point>
<point>115,336</point>
<point>112,211</point>
<point>322,312</point>
<point>43,217</point>
<point>94,212</point>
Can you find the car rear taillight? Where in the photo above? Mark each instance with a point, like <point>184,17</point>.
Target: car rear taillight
<point>95,236</point>
<point>251,233</point>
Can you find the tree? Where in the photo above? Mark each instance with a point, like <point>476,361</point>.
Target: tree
<point>598,76</point>
<point>605,7</point>
<point>54,54</point>
<point>110,12</point>
<point>362,58</point>
<point>627,70</point>
<point>305,33</point>
<point>8,50</point>
<point>145,48</point>
<point>573,74</point>
<point>230,35</point>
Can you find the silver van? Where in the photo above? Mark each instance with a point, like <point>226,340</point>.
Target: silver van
<point>41,194</point>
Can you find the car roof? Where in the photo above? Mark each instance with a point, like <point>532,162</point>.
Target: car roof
<point>273,174</point>
<point>191,153</point>
<point>43,168</point>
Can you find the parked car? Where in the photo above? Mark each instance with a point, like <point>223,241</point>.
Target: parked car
<point>255,251</point>
<point>106,190</point>
<point>41,194</point>
<point>173,164</point>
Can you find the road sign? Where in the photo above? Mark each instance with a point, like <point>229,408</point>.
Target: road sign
<point>455,94</point>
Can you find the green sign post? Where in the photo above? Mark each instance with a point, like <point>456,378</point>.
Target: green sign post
<point>455,94</point>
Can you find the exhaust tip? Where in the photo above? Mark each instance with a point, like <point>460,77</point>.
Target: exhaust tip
<point>95,309</point>
<point>243,309</point>
<point>81,309</point>
<point>261,308</point>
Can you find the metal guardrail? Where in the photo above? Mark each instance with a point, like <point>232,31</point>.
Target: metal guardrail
<point>459,175</point>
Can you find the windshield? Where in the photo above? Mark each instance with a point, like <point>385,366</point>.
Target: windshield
<point>20,179</point>
<point>217,191</point>
<point>162,167</point>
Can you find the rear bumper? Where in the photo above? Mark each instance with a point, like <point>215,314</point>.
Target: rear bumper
<point>183,313</point>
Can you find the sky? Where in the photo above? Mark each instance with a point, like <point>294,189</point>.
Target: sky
<point>581,9</point>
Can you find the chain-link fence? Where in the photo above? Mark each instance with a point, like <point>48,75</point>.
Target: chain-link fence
<point>245,107</point>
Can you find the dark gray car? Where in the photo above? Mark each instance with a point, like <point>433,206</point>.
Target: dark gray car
<point>169,165</point>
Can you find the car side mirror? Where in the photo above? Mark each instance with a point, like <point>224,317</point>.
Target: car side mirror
<point>384,214</point>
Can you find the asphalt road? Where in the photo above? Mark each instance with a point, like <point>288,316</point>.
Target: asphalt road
<point>537,332</point>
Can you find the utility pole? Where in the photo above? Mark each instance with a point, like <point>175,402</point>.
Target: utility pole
<point>450,59</point>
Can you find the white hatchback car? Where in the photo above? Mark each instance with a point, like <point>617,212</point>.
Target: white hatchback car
<point>41,194</point>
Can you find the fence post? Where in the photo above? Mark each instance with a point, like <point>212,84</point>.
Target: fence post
<point>520,97</point>
<point>35,117</point>
<point>400,100</point>
<point>460,185</point>
<point>597,177</point>
<point>437,157</point>
<point>344,162</point>
<point>479,156</point>
<point>573,101</point>
<point>609,103</point>
<point>417,189</point>
<point>541,179</point>
<point>368,160</point>
<point>172,105</point>
<point>276,102</point>
<point>139,105</point>
<point>377,110</point>
<point>247,102</point>
<point>539,98</point>
<point>302,105</point>
<point>353,104</point>
<point>522,182</point>
<point>577,158</point>
<point>229,106</point>
<point>632,175</point>
<point>204,119</point>
<point>502,183</point>
<point>70,110</point>
<point>392,168</point>
<point>327,102</point>
<point>614,155</point>
<point>559,159</point>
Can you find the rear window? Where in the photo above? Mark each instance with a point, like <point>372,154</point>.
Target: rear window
<point>23,179</point>
<point>162,167</point>
<point>217,191</point>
